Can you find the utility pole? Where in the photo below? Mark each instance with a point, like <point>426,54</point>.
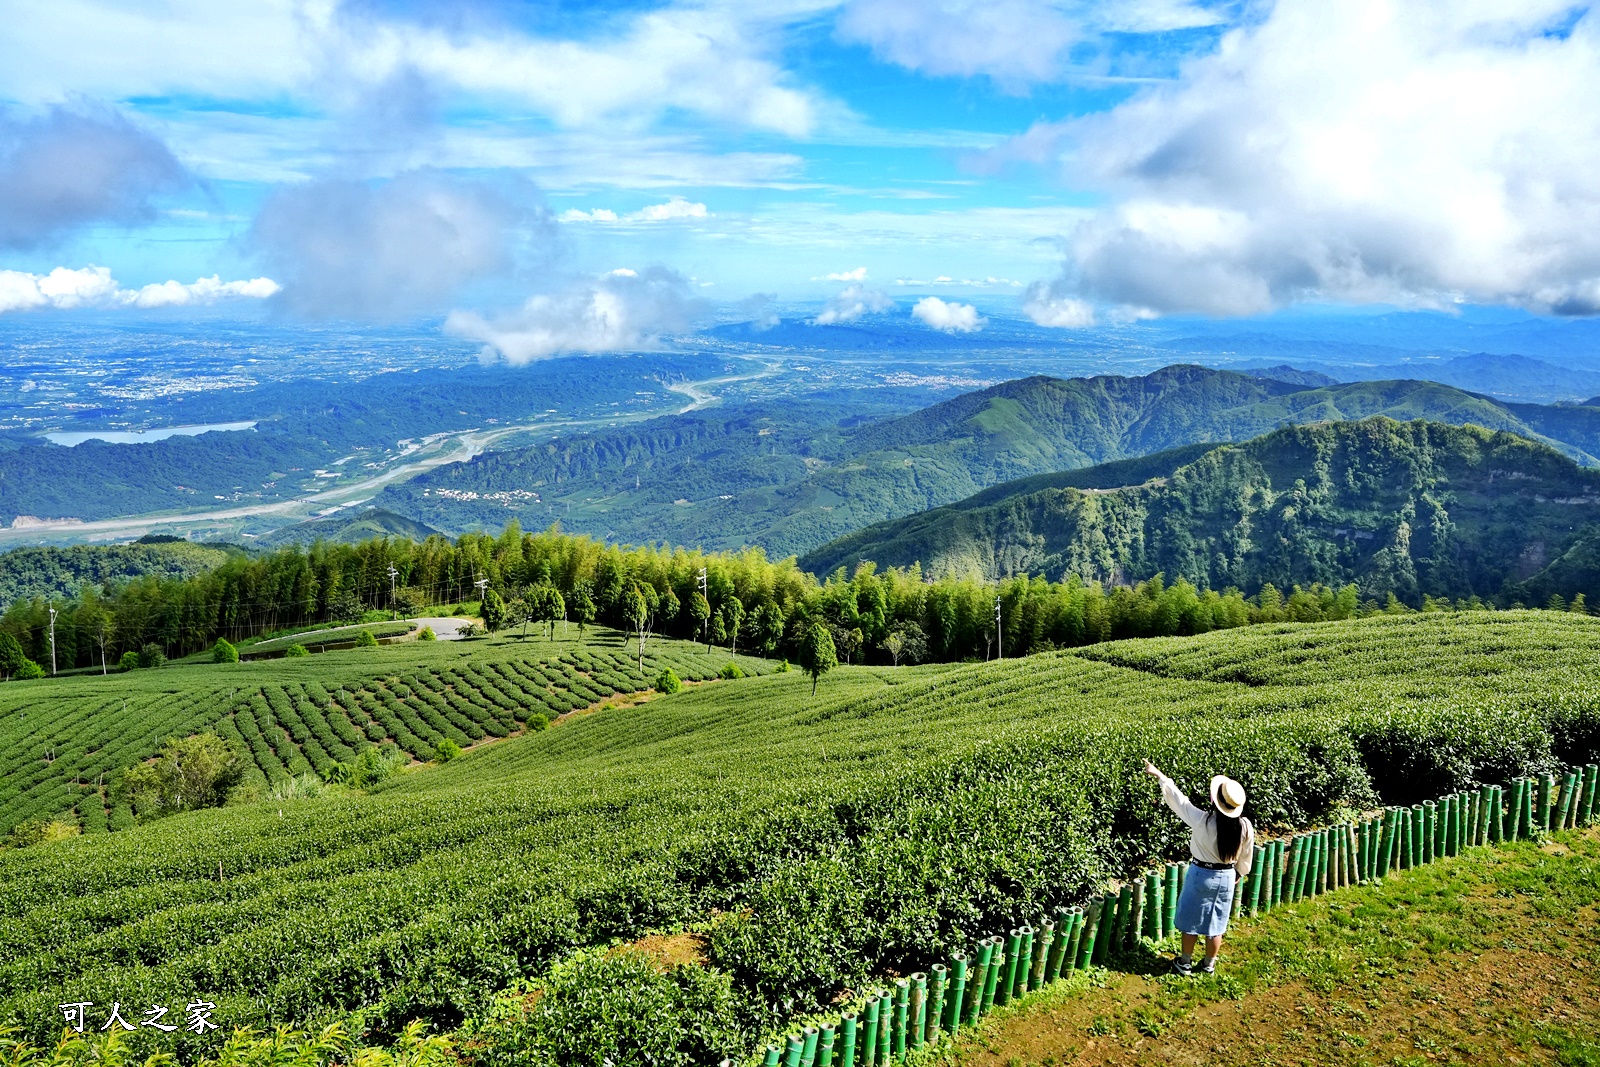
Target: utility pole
<point>482,585</point>
<point>393,574</point>
<point>52,641</point>
<point>999,650</point>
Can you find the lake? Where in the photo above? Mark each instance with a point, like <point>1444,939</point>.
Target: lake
<point>142,437</point>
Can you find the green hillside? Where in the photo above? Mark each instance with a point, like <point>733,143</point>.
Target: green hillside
<point>348,528</point>
<point>812,842</point>
<point>63,742</point>
<point>1413,509</point>
<point>59,573</point>
<point>790,478</point>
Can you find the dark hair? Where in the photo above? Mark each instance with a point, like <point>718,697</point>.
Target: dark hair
<point>1229,833</point>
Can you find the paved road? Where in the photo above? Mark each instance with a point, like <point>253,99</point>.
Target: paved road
<point>445,628</point>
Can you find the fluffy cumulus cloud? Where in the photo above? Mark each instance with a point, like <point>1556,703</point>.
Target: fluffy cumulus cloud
<point>1015,43</point>
<point>390,249</point>
<point>67,288</point>
<point>949,317</point>
<point>68,167</point>
<point>852,303</point>
<point>617,312</point>
<point>1047,305</point>
<point>1421,153</point>
<point>858,274</point>
<point>675,208</point>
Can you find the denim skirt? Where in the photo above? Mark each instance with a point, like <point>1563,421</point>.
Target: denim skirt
<point>1206,901</point>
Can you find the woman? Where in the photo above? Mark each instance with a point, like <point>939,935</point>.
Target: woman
<point>1222,846</point>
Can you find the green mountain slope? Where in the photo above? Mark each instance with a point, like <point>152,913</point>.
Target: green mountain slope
<point>790,478</point>
<point>61,573</point>
<point>1410,508</point>
<point>814,841</point>
<point>348,529</point>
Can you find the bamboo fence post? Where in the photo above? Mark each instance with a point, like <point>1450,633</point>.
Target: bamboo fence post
<point>847,1040</point>
<point>808,1049</point>
<point>825,1035</point>
<point>958,992</point>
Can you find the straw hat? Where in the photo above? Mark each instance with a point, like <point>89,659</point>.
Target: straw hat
<point>1227,796</point>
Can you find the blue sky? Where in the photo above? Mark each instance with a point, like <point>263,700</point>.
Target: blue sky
<point>571,177</point>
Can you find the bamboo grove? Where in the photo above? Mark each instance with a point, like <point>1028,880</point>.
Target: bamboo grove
<point>745,601</point>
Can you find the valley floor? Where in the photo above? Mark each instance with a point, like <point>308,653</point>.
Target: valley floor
<point>1489,958</point>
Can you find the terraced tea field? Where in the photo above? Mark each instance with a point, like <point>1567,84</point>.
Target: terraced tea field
<point>63,742</point>
<point>813,843</point>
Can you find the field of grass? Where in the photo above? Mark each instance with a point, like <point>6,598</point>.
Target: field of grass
<point>812,842</point>
<point>64,741</point>
<point>1489,957</point>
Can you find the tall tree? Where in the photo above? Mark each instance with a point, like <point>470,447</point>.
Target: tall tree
<point>817,654</point>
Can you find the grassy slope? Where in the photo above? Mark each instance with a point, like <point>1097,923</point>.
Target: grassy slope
<point>963,786</point>
<point>63,741</point>
<point>1488,958</point>
<point>1410,508</point>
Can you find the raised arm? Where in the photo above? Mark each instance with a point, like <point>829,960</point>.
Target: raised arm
<point>1174,798</point>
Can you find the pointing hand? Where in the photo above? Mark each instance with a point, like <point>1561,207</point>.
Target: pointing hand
<point>1150,768</point>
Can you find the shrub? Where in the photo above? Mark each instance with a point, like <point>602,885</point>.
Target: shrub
<point>365,640</point>
<point>224,652</point>
<point>730,672</point>
<point>538,722</point>
<point>445,751</point>
<point>129,661</point>
<point>152,655</point>
<point>372,766</point>
<point>27,670</point>
<point>195,772</point>
<point>427,634</point>
<point>38,831</point>
<point>782,667</point>
<point>612,1007</point>
<point>296,650</point>
<point>668,682</point>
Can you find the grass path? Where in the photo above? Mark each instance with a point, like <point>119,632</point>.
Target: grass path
<point>1489,958</point>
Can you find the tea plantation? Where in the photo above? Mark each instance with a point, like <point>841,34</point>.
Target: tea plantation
<point>63,741</point>
<point>813,843</point>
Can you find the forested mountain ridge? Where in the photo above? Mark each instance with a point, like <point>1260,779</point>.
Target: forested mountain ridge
<point>1409,508</point>
<point>789,478</point>
<point>59,573</point>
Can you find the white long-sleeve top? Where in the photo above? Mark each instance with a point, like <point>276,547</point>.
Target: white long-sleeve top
<point>1203,837</point>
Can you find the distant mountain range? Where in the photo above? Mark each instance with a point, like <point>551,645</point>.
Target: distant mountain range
<point>1410,508</point>
<point>789,478</point>
<point>1504,377</point>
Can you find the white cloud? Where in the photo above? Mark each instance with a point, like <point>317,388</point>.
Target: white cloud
<point>1016,43</point>
<point>949,317</point>
<point>859,274</point>
<point>387,250</point>
<point>619,311</point>
<point>203,291</point>
<point>68,167</point>
<point>854,302</point>
<point>1421,154</point>
<point>716,61</point>
<point>66,288</point>
<point>675,208</point>
<point>1047,308</point>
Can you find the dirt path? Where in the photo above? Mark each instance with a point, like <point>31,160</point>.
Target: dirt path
<point>1491,958</point>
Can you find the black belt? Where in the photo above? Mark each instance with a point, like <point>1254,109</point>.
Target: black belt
<point>1211,866</point>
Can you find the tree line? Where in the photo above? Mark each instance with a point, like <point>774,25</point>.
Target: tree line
<point>738,600</point>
